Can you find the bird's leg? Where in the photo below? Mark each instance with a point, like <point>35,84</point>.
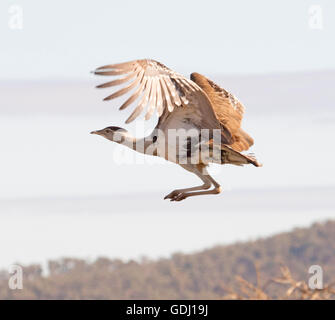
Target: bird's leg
<point>192,168</point>
<point>204,176</point>
<point>182,196</point>
<point>176,192</point>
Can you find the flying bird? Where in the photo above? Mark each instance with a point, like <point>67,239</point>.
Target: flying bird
<point>204,118</point>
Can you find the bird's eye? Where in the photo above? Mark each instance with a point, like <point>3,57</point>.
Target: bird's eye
<point>108,130</point>
<point>154,139</point>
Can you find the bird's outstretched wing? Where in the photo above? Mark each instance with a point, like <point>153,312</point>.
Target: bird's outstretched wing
<point>228,109</point>
<point>159,88</point>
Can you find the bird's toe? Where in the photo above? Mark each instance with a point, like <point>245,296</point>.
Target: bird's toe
<point>179,197</point>
<point>172,194</point>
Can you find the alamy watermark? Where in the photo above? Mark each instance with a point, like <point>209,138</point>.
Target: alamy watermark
<point>316,280</point>
<point>15,20</point>
<point>176,145</point>
<point>315,17</point>
<point>15,281</point>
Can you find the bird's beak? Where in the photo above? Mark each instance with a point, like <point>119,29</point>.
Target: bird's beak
<point>95,132</point>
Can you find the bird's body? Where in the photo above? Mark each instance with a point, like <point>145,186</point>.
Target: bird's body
<point>199,122</point>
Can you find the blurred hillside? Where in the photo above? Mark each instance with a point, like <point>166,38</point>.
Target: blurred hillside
<point>209,274</point>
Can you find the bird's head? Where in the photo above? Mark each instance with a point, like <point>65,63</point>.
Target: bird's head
<point>115,134</point>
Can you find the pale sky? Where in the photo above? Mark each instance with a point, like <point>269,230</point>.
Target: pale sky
<point>66,39</point>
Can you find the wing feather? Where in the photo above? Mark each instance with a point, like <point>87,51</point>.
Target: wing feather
<point>152,99</point>
<point>228,109</point>
<point>121,92</point>
<point>136,94</point>
<point>166,95</point>
<point>162,89</point>
<point>117,81</point>
<point>123,66</point>
<point>172,91</point>
<point>143,102</point>
<point>110,73</point>
<point>159,100</point>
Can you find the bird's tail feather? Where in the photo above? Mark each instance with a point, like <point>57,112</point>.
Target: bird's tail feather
<point>240,158</point>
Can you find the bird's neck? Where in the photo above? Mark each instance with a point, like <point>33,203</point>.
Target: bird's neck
<point>139,145</point>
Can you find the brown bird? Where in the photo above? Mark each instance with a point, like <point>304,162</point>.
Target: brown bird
<point>199,122</point>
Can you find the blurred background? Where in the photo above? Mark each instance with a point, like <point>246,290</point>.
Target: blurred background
<point>66,193</point>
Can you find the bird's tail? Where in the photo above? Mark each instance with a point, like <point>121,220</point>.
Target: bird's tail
<point>252,159</point>
<point>240,158</point>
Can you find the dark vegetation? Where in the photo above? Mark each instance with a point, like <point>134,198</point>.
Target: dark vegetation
<point>260,269</point>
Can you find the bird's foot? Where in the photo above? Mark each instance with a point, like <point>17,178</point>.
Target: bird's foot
<point>176,195</point>
<point>181,196</point>
<point>172,194</point>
